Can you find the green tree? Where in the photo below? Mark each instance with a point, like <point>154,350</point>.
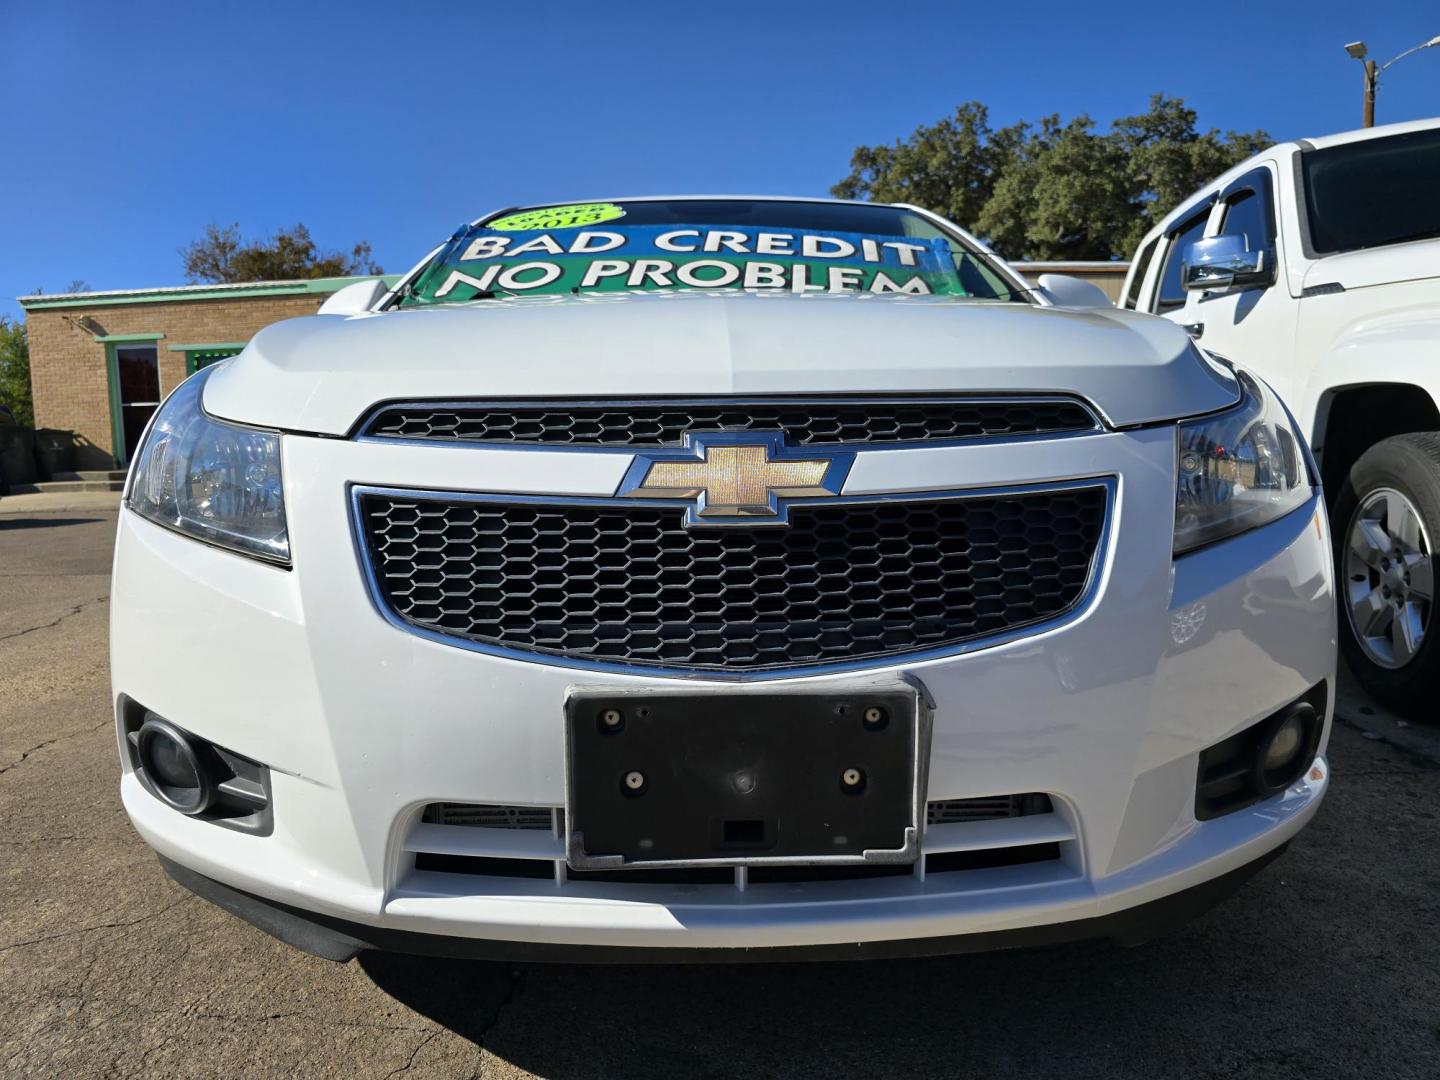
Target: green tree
<point>221,256</point>
<point>1168,158</point>
<point>1063,196</point>
<point>949,167</point>
<point>1055,189</point>
<point>15,371</point>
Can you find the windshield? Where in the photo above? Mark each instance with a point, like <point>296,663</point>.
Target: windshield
<point>705,244</point>
<point>1380,191</point>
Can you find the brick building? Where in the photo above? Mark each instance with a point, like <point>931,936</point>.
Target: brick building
<point>101,362</point>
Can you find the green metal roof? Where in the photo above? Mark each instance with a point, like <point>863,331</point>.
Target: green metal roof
<point>180,293</point>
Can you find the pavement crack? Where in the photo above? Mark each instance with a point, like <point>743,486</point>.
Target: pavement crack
<point>426,1041</point>
<point>145,1057</point>
<point>51,742</point>
<point>74,610</point>
<point>91,929</point>
<point>517,987</point>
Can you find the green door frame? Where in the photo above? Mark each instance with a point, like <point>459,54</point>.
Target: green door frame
<point>117,423</point>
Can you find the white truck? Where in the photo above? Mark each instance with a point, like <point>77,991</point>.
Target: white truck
<point>1317,264</point>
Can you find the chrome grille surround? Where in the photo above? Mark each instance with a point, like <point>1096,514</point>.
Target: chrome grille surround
<point>802,421</point>
<point>1078,598</point>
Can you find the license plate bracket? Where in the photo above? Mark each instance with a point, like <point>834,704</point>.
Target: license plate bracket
<point>745,776</point>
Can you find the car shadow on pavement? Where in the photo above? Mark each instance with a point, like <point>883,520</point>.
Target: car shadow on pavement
<point>1030,1012</point>
<point>464,996</point>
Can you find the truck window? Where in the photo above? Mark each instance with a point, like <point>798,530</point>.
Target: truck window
<point>1245,217</point>
<point>1171,294</point>
<point>1142,265</point>
<point>1367,194</point>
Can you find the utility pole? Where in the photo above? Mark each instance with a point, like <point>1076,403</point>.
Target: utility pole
<point>1372,76</point>
<point>1373,71</point>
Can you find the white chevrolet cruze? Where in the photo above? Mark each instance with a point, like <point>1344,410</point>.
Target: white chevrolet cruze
<point>720,578</point>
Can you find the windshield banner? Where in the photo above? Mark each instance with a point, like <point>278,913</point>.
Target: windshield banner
<point>563,260</point>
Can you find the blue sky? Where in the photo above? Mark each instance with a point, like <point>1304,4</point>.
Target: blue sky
<point>129,127</point>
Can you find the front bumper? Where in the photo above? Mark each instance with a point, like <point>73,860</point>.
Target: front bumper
<point>338,939</point>
<point>363,724</point>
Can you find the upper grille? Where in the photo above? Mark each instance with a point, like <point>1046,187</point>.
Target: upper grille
<point>630,585</point>
<point>659,423</point>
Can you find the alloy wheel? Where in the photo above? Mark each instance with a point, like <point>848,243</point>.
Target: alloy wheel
<point>1389,580</point>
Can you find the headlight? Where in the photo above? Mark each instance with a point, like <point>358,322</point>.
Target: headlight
<point>1239,469</point>
<point>215,481</point>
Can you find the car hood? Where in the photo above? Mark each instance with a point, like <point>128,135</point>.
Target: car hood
<point>323,373</point>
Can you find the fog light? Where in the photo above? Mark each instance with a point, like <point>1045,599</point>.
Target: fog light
<point>173,767</point>
<point>1284,744</point>
<point>1280,760</point>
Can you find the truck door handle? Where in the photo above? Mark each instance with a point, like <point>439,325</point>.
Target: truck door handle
<point>1194,329</point>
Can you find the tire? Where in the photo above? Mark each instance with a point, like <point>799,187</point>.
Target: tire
<point>1394,478</point>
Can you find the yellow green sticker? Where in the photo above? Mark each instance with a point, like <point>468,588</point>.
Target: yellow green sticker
<point>558,217</point>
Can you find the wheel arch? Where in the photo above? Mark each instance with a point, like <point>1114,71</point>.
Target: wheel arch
<point>1351,419</point>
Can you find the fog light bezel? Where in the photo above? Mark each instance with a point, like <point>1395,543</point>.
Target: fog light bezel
<point>205,788</point>
<point>241,797</point>
<point>1230,774</point>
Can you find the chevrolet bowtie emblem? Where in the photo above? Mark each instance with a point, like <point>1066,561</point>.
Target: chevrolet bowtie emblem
<point>738,478</point>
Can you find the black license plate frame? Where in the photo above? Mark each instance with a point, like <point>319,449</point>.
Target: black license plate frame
<point>742,776</point>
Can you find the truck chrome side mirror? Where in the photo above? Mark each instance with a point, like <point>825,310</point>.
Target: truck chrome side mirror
<point>1223,262</point>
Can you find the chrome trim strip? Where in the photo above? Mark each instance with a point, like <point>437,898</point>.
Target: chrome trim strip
<point>361,431</point>
<point>1099,560</point>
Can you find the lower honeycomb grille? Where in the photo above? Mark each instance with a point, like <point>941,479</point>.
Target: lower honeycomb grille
<point>630,585</point>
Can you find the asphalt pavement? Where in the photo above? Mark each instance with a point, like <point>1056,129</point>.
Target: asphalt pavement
<point>1327,964</point>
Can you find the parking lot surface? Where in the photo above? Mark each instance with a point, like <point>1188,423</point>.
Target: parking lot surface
<point>1327,964</point>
